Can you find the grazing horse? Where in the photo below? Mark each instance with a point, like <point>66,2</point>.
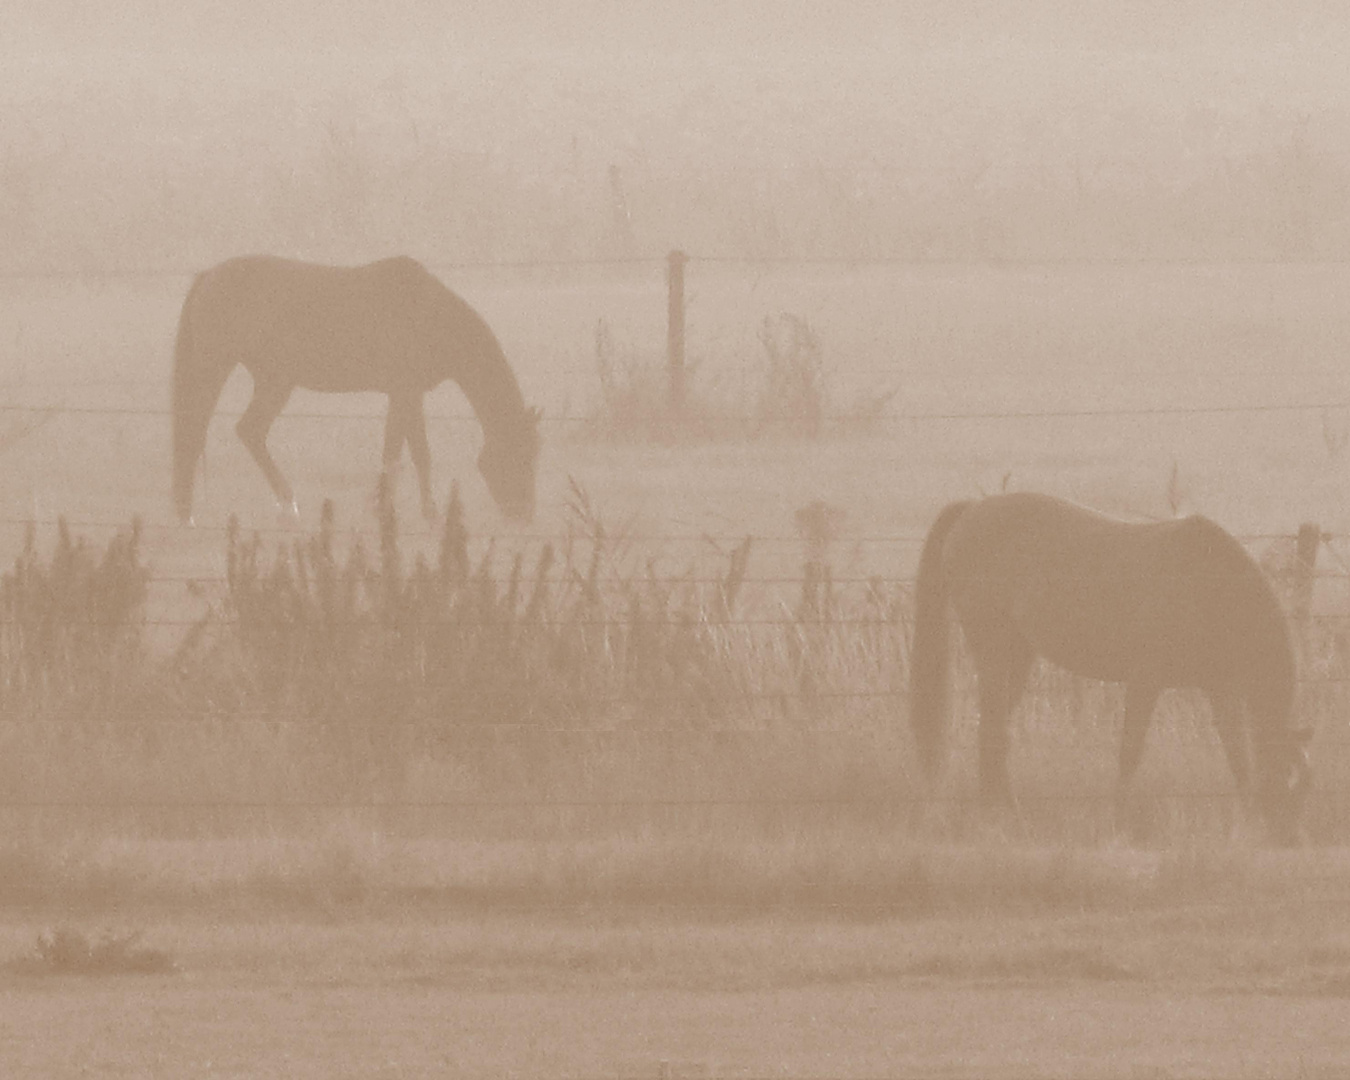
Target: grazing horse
<point>389,326</point>
<point>1152,605</point>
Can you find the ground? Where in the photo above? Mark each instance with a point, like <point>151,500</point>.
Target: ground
<point>1197,990</point>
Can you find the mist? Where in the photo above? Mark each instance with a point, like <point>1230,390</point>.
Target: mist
<point>591,747</point>
<point>164,136</point>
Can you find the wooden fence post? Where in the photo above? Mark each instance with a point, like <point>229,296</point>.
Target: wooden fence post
<point>675,327</point>
<point>1305,561</point>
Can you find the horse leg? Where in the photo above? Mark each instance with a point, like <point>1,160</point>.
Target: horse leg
<point>395,432</point>
<point>1226,707</point>
<point>1140,700</point>
<point>1002,673</point>
<point>421,455</point>
<point>269,398</point>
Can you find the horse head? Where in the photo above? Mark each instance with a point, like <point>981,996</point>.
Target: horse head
<point>508,463</point>
<point>1286,782</point>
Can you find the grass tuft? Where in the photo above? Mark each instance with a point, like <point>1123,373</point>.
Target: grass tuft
<point>67,951</point>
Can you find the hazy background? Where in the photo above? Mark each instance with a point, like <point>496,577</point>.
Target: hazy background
<point>166,137</point>
<point>1090,248</point>
<point>998,209</point>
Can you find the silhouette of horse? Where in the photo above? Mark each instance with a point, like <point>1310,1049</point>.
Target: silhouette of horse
<point>389,326</point>
<point>1153,605</point>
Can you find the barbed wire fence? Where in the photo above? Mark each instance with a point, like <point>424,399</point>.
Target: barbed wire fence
<point>31,416</point>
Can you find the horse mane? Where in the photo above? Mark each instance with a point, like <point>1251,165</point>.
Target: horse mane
<point>1271,660</point>
<point>486,377</point>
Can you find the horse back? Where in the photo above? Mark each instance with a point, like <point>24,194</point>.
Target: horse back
<point>385,325</point>
<point>1174,602</point>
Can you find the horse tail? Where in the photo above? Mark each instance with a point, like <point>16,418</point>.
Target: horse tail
<point>198,379</point>
<point>930,654</point>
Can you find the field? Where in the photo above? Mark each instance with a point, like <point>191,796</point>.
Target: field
<point>1191,991</point>
<point>944,340</point>
<point>745,891</point>
<point>631,790</point>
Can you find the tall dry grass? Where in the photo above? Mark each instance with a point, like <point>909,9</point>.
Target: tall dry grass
<point>572,721</point>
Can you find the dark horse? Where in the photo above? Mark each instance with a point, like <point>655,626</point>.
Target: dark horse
<point>1153,605</point>
<point>389,326</point>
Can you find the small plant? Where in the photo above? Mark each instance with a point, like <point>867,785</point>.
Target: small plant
<point>635,397</point>
<point>66,951</point>
<point>792,396</point>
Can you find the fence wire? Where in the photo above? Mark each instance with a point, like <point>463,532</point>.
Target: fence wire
<point>890,416</point>
<point>745,726</point>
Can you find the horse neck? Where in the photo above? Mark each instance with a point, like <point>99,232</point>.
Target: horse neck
<point>487,380</point>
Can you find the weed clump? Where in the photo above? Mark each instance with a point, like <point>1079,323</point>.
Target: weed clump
<point>790,397</point>
<point>69,624</point>
<point>67,951</point>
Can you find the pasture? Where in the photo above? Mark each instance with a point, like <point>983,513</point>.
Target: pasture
<point>758,876</point>
<point>988,342</point>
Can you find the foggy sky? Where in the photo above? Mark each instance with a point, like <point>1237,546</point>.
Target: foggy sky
<point>600,25</point>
